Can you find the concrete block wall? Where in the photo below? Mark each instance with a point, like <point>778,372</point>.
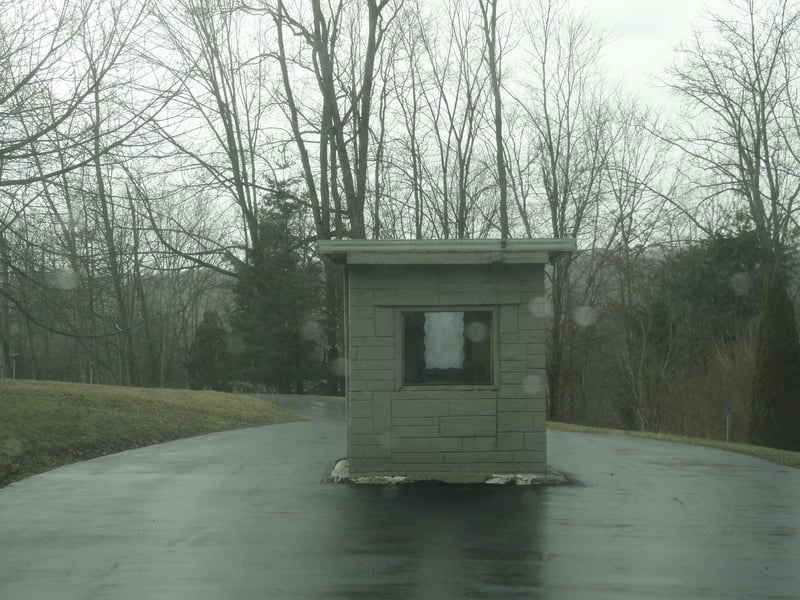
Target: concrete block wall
<point>450,433</point>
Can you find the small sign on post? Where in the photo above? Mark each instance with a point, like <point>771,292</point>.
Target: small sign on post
<point>728,422</point>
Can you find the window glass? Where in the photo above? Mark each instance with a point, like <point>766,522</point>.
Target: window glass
<point>447,347</point>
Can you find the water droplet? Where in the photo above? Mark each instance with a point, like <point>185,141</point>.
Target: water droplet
<point>537,306</point>
<point>476,331</point>
<point>65,280</point>
<point>11,447</point>
<point>533,384</point>
<point>311,331</point>
<point>338,366</point>
<point>741,283</point>
<point>584,316</point>
<point>390,492</point>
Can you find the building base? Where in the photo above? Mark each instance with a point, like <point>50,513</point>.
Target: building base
<point>341,474</point>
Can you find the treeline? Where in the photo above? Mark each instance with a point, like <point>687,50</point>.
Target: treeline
<point>164,160</point>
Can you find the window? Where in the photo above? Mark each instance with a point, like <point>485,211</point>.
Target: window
<point>447,347</point>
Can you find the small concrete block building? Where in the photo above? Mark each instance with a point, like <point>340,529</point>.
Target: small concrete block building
<point>445,346</point>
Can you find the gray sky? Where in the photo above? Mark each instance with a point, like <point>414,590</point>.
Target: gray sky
<point>644,35</point>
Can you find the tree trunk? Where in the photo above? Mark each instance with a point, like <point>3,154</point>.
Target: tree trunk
<point>489,14</point>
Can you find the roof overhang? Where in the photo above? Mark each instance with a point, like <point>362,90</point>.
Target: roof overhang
<point>429,252</point>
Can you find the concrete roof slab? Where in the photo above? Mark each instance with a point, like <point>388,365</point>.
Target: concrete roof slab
<point>409,252</point>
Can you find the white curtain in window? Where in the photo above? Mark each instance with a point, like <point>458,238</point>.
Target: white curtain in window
<point>444,340</point>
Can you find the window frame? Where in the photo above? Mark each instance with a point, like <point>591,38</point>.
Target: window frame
<point>400,348</point>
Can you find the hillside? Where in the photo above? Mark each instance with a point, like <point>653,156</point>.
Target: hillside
<point>46,424</point>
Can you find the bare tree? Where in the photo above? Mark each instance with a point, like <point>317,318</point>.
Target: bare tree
<point>633,216</point>
<point>67,114</point>
<point>344,47</point>
<point>339,46</point>
<point>214,59</point>
<point>455,104</point>
<point>568,113</point>
<point>44,88</point>
<point>493,58</point>
<point>408,79</point>
<point>739,83</point>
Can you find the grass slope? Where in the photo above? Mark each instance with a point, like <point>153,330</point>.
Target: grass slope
<point>45,424</point>
<point>781,457</point>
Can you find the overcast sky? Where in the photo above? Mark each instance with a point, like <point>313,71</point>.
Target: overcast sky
<point>644,35</point>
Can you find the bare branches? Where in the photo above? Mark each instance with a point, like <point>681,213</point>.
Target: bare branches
<point>46,91</point>
<point>741,91</point>
<point>218,63</point>
<point>344,88</point>
<point>493,59</point>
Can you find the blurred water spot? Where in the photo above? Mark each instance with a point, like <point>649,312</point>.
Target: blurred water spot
<point>311,331</point>
<point>537,306</point>
<point>65,280</point>
<point>533,384</point>
<point>476,332</point>
<point>741,283</point>
<point>584,316</point>
<point>338,366</point>
<point>11,447</point>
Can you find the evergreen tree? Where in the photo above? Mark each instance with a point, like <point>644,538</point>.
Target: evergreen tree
<point>278,291</point>
<point>207,363</point>
<point>679,315</point>
<point>775,413</point>
<point>715,285</point>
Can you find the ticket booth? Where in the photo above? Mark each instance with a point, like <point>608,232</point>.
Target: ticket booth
<point>445,346</point>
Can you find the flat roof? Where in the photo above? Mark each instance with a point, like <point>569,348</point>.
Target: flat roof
<point>410,252</point>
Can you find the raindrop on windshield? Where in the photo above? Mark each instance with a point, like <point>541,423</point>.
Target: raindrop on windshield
<point>311,331</point>
<point>476,332</point>
<point>66,280</point>
<point>338,366</point>
<point>584,316</point>
<point>537,306</point>
<point>741,283</point>
<point>12,447</point>
<point>533,384</point>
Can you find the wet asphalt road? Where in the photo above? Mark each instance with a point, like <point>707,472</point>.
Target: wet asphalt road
<point>245,515</point>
